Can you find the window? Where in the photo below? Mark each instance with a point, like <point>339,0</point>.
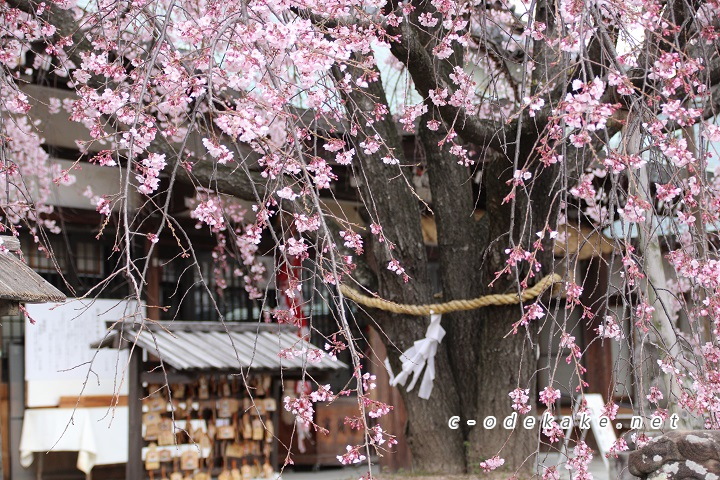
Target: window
<point>74,262</point>
<point>45,260</point>
<point>88,259</point>
<point>193,295</point>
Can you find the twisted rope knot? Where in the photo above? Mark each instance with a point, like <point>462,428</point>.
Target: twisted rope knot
<point>453,305</point>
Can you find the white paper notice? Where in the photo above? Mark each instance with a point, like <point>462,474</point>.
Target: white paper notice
<point>58,355</point>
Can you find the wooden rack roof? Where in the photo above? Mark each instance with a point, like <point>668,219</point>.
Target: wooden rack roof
<point>18,282</point>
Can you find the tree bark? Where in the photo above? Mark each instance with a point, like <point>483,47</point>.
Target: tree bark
<point>507,363</point>
<point>504,365</point>
<point>392,204</point>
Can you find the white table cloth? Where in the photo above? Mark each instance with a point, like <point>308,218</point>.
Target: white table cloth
<point>50,429</point>
<point>99,435</point>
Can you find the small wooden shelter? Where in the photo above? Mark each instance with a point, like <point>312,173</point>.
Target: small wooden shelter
<point>19,283</point>
<point>227,382</point>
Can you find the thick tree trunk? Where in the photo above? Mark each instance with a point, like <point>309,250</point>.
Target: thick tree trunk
<point>476,367</point>
<point>390,202</point>
<point>508,361</point>
<point>461,240</point>
<point>504,365</point>
<point>435,447</point>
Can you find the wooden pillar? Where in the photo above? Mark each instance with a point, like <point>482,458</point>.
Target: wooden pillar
<point>598,356</point>
<point>395,423</point>
<point>4,417</point>
<point>5,430</point>
<point>276,394</point>
<point>16,392</point>
<point>134,468</point>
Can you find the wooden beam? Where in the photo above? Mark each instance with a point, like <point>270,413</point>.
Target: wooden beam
<point>194,326</point>
<point>192,375</point>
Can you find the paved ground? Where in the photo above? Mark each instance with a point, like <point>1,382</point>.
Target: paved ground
<point>597,468</point>
<point>326,474</point>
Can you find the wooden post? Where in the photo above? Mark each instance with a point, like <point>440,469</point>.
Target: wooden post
<point>3,414</point>
<point>598,357</point>
<point>276,393</point>
<point>134,468</point>
<point>39,464</point>
<point>396,422</point>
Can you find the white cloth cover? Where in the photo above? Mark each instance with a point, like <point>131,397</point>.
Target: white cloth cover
<point>99,435</point>
<point>414,360</point>
<point>44,430</point>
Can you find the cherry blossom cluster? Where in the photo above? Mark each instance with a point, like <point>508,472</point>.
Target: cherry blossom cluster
<point>492,463</point>
<point>579,465</point>
<point>301,407</point>
<point>520,399</point>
